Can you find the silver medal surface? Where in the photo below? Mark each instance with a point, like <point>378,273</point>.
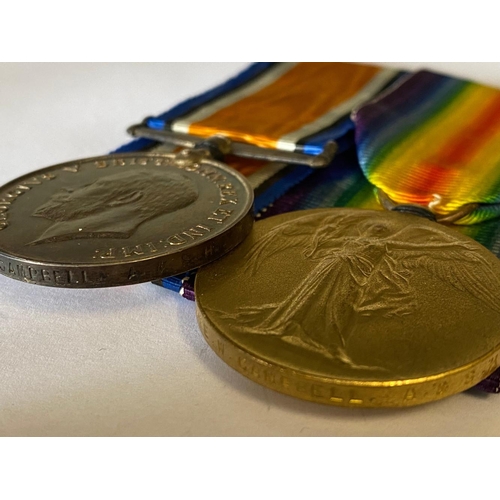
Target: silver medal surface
<point>121,219</point>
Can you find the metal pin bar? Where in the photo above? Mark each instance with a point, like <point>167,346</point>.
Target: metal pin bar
<point>238,148</point>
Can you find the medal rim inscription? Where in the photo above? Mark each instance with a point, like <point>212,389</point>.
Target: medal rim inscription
<point>139,269</point>
<point>326,389</point>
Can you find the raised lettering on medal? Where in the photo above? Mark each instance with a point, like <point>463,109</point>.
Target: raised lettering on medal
<point>120,219</point>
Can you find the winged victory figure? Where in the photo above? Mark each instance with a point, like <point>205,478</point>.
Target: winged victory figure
<point>363,265</point>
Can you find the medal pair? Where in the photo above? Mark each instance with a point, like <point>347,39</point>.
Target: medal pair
<point>340,306</point>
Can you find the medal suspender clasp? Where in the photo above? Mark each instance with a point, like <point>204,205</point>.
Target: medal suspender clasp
<point>236,148</point>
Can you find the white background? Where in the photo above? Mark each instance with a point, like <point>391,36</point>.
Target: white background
<point>131,360</point>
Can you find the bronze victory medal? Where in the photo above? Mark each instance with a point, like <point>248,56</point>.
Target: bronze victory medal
<point>121,219</point>
<point>355,308</point>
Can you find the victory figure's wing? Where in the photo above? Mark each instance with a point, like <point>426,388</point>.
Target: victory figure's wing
<point>467,272</point>
<point>458,263</point>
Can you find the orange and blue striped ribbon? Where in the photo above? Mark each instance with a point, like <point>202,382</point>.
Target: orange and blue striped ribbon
<point>285,106</point>
<point>434,140</point>
<point>290,106</point>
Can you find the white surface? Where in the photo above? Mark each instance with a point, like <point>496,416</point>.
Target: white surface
<point>130,360</point>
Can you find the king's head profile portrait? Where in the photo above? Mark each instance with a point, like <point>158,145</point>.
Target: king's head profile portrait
<point>114,206</point>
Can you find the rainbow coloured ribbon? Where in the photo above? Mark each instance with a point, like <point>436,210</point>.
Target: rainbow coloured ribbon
<point>434,140</point>
<point>343,184</point>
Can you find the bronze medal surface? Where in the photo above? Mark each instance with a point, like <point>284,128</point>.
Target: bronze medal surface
<point>121,219</point>
<point>355,308</point>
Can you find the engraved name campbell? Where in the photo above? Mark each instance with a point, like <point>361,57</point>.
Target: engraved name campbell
<point>288,382</point>
<point>37,274</point>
